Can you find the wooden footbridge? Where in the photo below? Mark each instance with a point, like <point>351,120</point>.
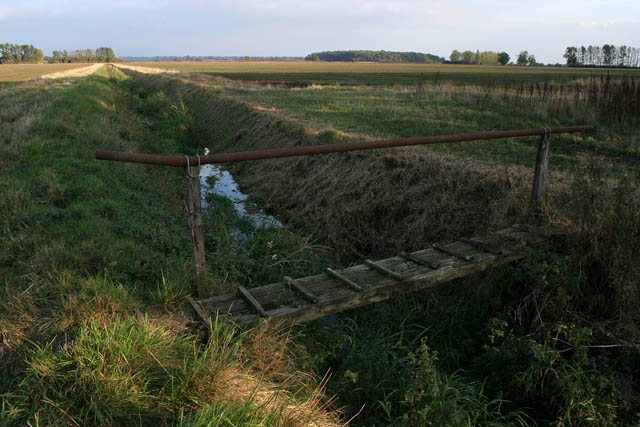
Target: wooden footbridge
<point>307,298</point>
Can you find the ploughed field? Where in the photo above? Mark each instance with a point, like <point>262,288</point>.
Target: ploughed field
<point>302,73</point>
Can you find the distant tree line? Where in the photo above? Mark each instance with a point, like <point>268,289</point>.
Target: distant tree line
<point>373,56</point>
<point>490,58</point>
<point>19,53</point>
<point>479,58</point>
<point>605,56</point>
<point>102,54</point>
<point>526,60</point>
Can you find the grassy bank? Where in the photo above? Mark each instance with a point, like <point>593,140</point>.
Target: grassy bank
<point>553,340</point>
<point>94,268</point>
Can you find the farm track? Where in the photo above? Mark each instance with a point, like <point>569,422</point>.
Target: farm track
<point>145,70</point>
<point>78,72</point>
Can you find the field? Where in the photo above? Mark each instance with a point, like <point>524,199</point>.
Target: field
<point>301,73</point>
<point>94,324</point>
<point>21,72</point>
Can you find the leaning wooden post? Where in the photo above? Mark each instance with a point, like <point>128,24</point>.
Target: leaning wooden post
<point>542,167</point>
<point>194,211</point>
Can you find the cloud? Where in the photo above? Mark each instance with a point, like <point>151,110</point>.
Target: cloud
<point>603,25</point>
<point>6,12</point>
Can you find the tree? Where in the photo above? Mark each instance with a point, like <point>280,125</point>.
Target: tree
<point>503,58</point>
<point>608,54</point>
<point>622,56</point>
<point>523,58</point>
<point>5,53</point>
<point>105,54</point>
<point>468,57</point>
<point>487,58</point>
<point>89,55</point>
<point>455,56</point>
<point>571,55</point>
<point>531,61</point>
<point>58,56</point>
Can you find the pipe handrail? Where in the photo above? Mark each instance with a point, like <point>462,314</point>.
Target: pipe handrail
<point>181,161</point>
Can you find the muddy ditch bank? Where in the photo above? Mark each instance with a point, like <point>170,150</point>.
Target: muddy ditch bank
<point>359,204</point>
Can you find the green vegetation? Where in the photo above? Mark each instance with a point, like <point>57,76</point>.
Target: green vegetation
<point>102,54</point>
<point>16,54</point>
<point>607,56</point>
<point>440,108</point>
<point>552,340</point>
<point>483,58</point>
<point>373,56</point>
<point>87,245</point>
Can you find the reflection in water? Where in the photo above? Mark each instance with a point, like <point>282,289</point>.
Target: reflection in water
<point>226,186</point>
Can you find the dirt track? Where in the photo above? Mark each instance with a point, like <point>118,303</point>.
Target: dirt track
<point>77,72</point>
<point>145,70</point>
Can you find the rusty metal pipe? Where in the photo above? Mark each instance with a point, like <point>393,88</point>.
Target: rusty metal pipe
<point>154,159</point>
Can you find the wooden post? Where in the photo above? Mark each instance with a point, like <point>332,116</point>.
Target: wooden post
<point>194,210</point>
<point>542,167</point>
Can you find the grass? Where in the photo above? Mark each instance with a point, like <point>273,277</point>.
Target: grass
<point>86,246</point>
<point>95,262</point>
<point>21,72</point>
<point>549,341</point>
<point>378,113</point>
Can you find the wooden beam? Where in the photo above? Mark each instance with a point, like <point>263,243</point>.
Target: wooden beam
<point>540,173</point>
<point>453,252</point>
<point>307,294</point>
<point>384,270</point>
<point>419,261</point>
<point>341,277</point>
<point>252,301</point>
<point>482,245</point>
<point>194,211</point>
<point>201,314</point>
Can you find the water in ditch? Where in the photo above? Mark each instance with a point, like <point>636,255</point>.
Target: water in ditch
<point>214,180</point>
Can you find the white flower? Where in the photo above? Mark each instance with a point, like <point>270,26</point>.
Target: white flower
<point>206,151</point>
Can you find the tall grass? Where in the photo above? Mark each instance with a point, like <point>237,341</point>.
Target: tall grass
<point>615,100</point>
<point>131,372</point>
<point>89,246</point>
<point>540,342</point>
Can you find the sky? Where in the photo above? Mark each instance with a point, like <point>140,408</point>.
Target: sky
<point>544,28</point>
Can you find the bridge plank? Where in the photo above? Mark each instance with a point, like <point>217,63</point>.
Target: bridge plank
<point>286,304</point>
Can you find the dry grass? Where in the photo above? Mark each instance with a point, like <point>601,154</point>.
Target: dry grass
<point>360,204</point>
<point>238,386</point>
<point>76,72</point>
<point>270,378</point>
